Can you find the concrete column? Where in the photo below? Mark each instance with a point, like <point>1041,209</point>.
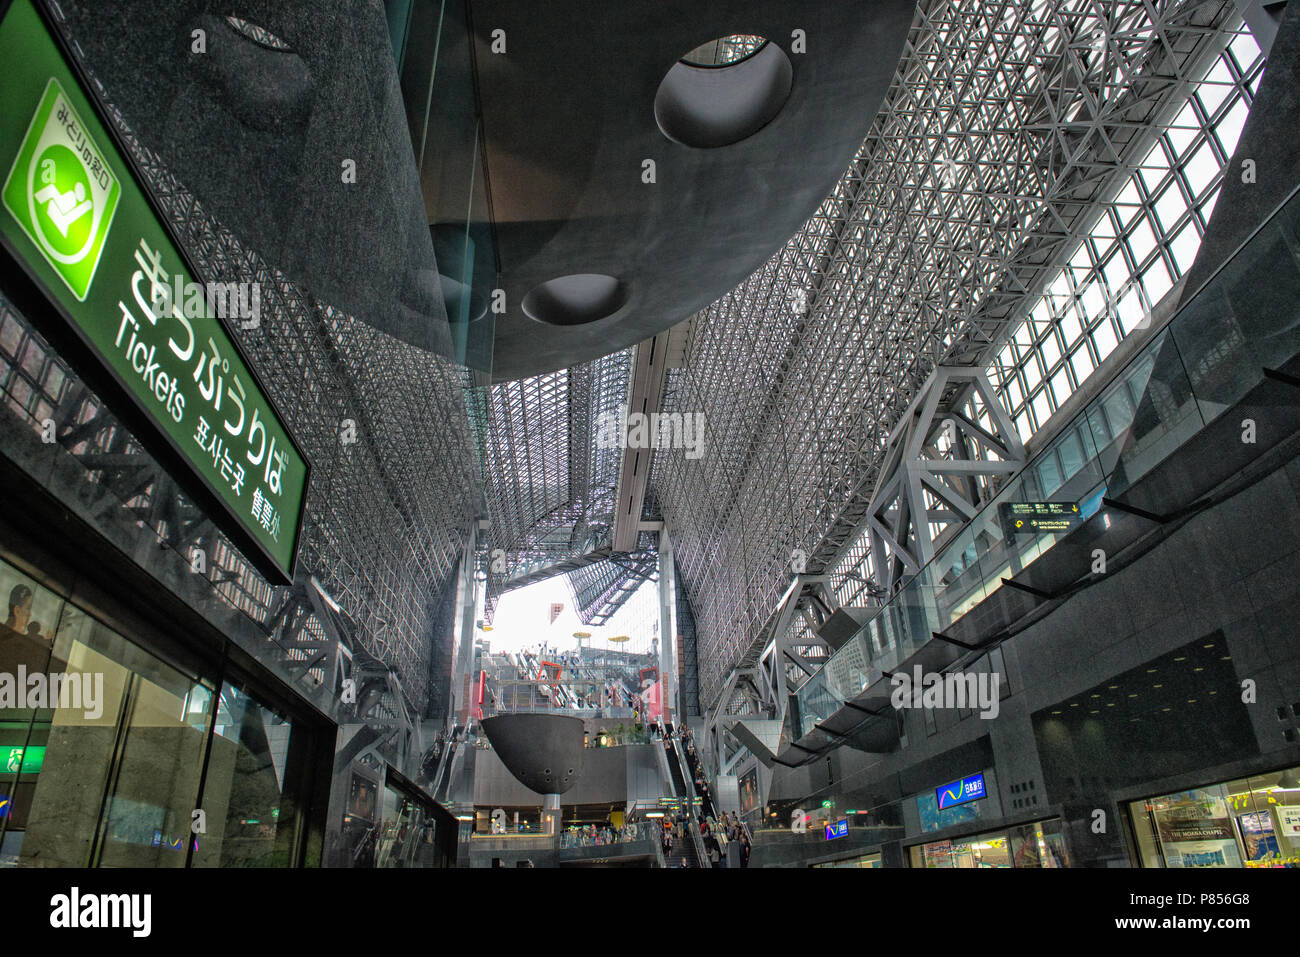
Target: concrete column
<point>668,629</point>
<point>463,629</point>
<point>551,816</point>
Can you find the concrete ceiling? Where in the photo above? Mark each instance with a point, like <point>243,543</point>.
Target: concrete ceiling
<point>569,117</point>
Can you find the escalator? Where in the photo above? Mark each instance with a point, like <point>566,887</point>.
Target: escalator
<point>694,850</point>
<point>688,768</point>
<point>680,787</point>
<point>684,853</point>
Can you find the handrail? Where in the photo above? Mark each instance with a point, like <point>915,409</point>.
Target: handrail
<point>693,821</point>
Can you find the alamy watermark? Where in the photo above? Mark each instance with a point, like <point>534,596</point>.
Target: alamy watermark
<point>658,430</point>
<point>82,691</point>
<point>953,690</point>
<point>224,300</point>
<point>75,910</point>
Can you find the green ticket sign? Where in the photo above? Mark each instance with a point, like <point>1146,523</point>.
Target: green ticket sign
<point>79,222</point>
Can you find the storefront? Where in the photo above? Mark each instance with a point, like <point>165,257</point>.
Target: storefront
<point>114,753</point>
<point>143,521</point>
<point>1040,844</point>
<point>1248,822</point>
<point>864,860</point>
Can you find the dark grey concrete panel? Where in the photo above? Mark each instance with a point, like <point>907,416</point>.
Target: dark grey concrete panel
<point>259,133</point>
<point>569,118</point>
<point>544,751</point>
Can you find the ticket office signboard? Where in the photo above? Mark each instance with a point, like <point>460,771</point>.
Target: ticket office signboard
<point>78,222</point>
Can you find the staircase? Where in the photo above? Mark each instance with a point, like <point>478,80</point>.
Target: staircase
<point>683,850</point>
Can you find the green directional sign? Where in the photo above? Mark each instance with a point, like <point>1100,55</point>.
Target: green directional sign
<point>61,191</point>
<point>28,760</point>
<point>77,220</point>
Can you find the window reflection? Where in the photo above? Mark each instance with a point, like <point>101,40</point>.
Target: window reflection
<point>251,812</point>
<point>1250,822</point>
<point>110,764</point>
<point>1041,844</point>
<point>104,767</point>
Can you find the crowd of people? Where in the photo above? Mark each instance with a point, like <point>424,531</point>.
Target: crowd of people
<point>593,835</point>
<point>717,835</point>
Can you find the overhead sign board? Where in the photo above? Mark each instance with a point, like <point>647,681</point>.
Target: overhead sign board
<point>1034,518</point>
<point>77,220</point>
<point>836,829</point>
<point>960,792</point>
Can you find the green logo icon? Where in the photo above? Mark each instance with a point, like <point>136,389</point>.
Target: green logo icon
<point>62,192</point>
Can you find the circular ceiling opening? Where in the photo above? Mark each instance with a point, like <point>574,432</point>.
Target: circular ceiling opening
<point>725,51</point>
<point>576,299</point>
<point>723,91</point>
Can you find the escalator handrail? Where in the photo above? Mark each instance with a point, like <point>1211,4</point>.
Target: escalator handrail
<point>692,820</point>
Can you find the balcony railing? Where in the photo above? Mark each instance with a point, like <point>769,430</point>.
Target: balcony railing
<point>1240,332</point>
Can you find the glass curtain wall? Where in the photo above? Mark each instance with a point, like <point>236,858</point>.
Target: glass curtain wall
<point>111,757</point>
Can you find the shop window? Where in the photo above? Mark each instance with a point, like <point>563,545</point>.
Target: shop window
<point>1249,822</point>
<point>106,770</point>
<point>1037,845</point>
<point>120,747</point>
<point>253,787</point>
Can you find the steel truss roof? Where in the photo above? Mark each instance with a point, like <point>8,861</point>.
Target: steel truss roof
<point>1007,126</point>
<point>601,589</point>
<point>550,489</point>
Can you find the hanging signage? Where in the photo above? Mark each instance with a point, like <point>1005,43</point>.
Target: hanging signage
<point>960,792</point>
<point>837,829</point>
<point>75,217</point>
<point>1034,518</point>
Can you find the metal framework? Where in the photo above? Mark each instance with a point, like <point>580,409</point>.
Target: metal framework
<point>385,513</point>
<point>1007,129</point>
<point>601,589</point>
<point>550,488</point>
<point>947,456</point>
<point>1036,179</point>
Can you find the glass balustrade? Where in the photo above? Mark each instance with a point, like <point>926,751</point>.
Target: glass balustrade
<point>1243,321</point>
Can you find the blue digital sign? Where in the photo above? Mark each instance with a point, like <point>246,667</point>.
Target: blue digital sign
<point>959,792</point>
<point>837,829</point>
